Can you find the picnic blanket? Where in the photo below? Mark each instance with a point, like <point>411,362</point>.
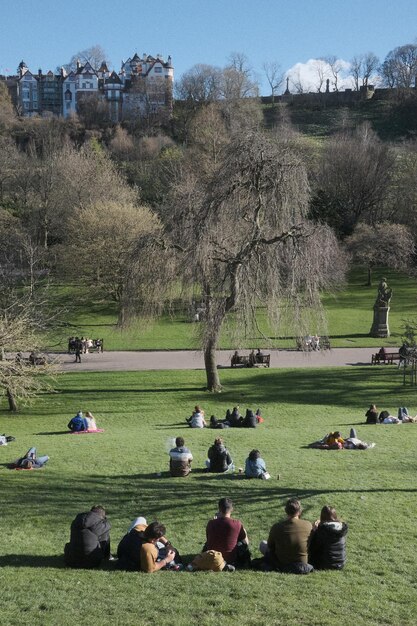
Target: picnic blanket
<point>86,432</point>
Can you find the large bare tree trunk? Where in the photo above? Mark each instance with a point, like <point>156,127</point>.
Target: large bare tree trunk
<point>213,380</point>
<point>12,401</point>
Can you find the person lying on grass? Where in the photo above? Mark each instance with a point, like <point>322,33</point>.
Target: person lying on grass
<point>335,441</point>
<point>403,417</point>
<point>89,541</point>
<point>327,542</point>
<point>29,461</point>
<point>145,548</point>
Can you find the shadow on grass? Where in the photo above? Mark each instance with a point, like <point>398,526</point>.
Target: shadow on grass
<point>55,432</point>
<point>158,497</point>
<point>32,560</point>
<point>121,390</point>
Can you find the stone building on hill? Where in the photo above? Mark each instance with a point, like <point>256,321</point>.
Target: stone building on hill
<point>143,86</point>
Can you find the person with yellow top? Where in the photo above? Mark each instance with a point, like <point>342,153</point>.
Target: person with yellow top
<point>335,440</point>
<point>138,550</point>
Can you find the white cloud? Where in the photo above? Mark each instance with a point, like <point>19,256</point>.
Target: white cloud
<point>309,75</point>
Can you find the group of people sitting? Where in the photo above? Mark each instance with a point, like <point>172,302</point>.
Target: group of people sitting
<point>293,546</point>
<point>233,419</point>
<point>81,423</point>
<point>373,416</point>
<point>219,461</point>
<point>335,441</point>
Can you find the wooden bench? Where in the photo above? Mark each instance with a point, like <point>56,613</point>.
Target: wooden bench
<point>263,360</point>
<point>388,358</point>
<point>245,360</point>
<point>238,359</point>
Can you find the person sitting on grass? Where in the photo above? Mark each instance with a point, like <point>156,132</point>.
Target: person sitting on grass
<point>138,550</point>
<point>216,423</point>
<point>255,466</point>
<point>30,461</point>
<point>286,548</point>
<point>327,542</point>
<point>372,415</point>
<point>91,421</point>
<point>197,418</point>
<point>249,420</point>
<point>234,418</point>
<point>219,459</point>
<point>78,423</point>
<point>180,459</point>
<point>89,542</point>
<point>228,536</point>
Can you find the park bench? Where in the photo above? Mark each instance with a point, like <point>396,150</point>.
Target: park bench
<point>239,359</point>
<point>262,360</point>
<point>388,358</point>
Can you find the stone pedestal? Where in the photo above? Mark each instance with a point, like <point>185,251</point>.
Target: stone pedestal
<point>380,326</point>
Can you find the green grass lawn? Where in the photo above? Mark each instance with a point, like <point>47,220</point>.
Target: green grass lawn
<point>349,313</point>
<point>374,491</point>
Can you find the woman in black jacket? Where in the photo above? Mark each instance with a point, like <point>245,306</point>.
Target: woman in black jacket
<point>327,543</point>
<point>219,459</point>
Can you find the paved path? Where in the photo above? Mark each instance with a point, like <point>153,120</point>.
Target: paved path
<point>182,359</point>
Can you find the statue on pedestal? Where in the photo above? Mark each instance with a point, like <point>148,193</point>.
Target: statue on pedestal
<point>380,326</point>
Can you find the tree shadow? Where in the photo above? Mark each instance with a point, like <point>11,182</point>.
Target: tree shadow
<point>114,390</point>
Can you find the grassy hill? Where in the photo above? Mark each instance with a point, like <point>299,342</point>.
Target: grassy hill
<point>392,120</point>
<point>141,412</point>
<point>349,313</point>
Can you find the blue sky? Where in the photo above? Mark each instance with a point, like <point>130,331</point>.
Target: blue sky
<point>47,33</point>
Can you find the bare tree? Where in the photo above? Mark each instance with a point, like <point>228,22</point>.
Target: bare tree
<point>400,67</point>
<point>238,80</point>
<point>363,69</point>
<point>370,65</point>
<point>336,67</point>
<point>274,76</point>
<point>103,238</point>
<point>20,322</point>
<point>209,133</point>
<point>352,181</point>
<point>391,245</point>
<point>242,238</point>
<point>321,70</point>
<point>297,82</point>
<point>95,56</point>
<point>199,85</point>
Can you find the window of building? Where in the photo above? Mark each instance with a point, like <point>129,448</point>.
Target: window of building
<point>158,69</point>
